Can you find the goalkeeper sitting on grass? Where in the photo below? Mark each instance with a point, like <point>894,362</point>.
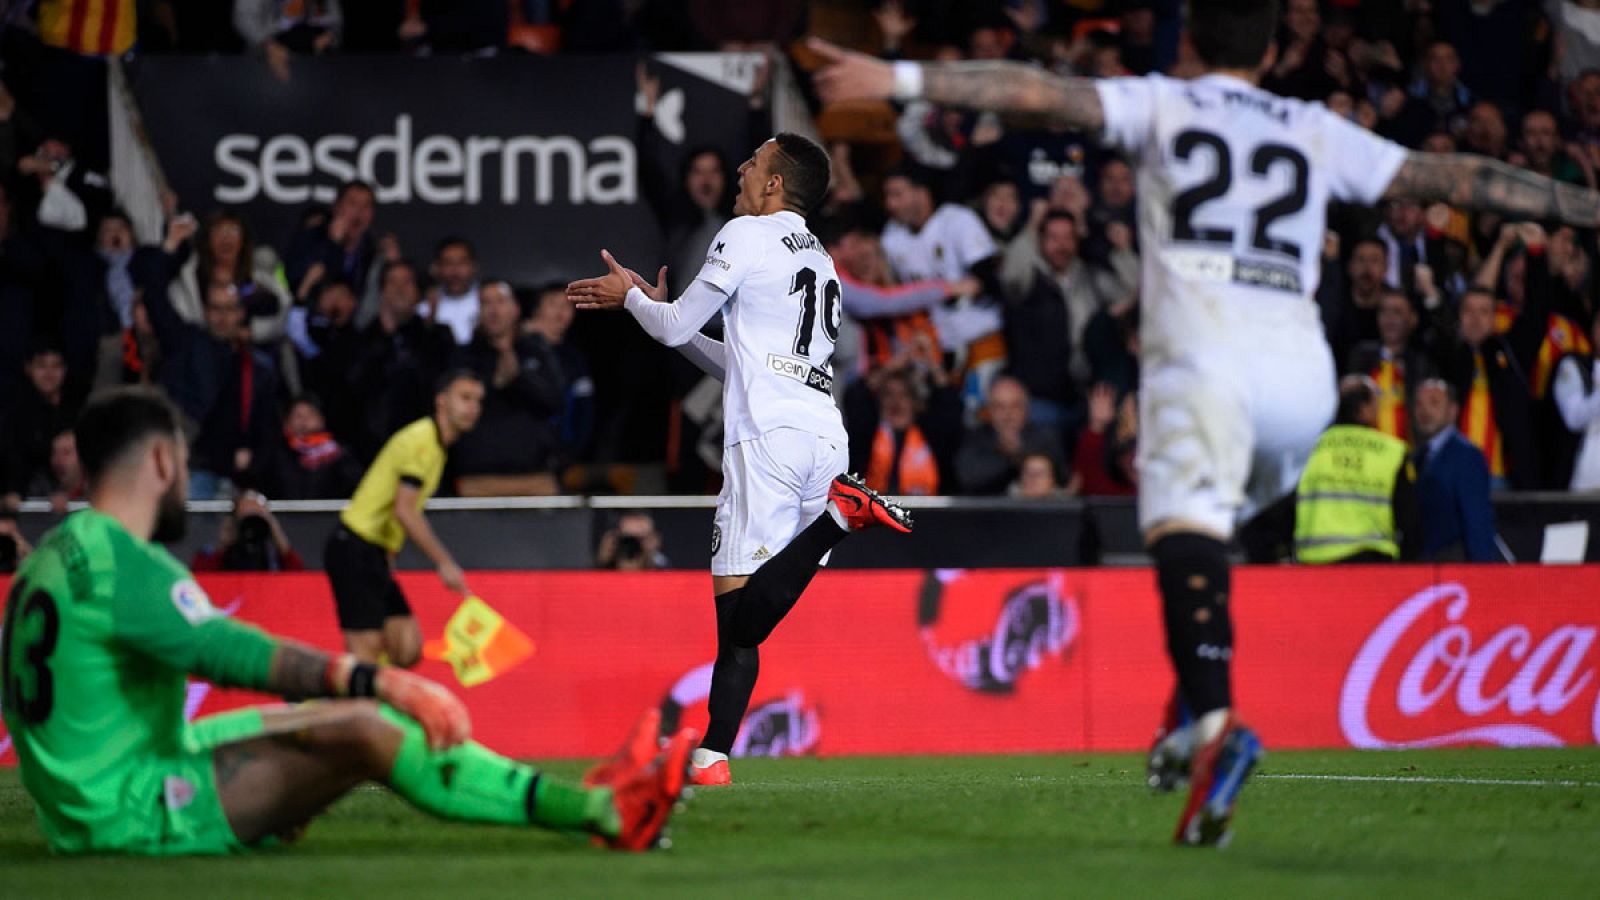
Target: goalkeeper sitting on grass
<point>101,627</point>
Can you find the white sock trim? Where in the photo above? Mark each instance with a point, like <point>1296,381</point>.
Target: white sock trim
<point>838,517</point>
<point>702,758</point>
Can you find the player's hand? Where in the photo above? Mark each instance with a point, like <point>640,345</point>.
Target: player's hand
<point>605,292</point>
<point>452,576</point>
<point>848,75</point>
<point>657,291</point>
<point>441,714</point>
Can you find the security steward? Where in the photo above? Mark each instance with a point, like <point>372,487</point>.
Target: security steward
<point>1356,501</point>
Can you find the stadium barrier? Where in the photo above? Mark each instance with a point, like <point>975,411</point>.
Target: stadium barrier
<point>988,661</point>
<point>960,532</point>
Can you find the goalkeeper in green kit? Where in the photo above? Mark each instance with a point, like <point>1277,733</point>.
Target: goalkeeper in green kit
<point>102,625</point>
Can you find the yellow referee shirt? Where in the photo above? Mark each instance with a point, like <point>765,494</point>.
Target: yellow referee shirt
<point>414,456</point>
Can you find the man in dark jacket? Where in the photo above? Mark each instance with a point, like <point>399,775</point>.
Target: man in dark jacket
<point>1452,482</point>
<point>223,385</point>
<point>512,449</point>
<point>398,358</point>
<point>991,455</point>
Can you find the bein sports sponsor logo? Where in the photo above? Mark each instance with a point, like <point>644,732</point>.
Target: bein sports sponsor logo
<point>1036,622</point>
<point>1468,691</point>
<point>437,169</point>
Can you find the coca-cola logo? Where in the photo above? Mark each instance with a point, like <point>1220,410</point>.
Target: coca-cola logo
<point>1432,675</point>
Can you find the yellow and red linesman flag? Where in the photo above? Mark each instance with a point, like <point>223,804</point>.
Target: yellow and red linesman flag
<point>479,643</point>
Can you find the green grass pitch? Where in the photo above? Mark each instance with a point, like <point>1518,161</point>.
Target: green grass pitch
<point>1515,823</point>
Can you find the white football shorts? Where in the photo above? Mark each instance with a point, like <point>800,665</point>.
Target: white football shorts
<point>1223,434</point>
<point>772,486</point>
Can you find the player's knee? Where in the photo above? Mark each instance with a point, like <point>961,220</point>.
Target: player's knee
<point>404,653</point>
<point>371,739</point>
<point>402,642</point>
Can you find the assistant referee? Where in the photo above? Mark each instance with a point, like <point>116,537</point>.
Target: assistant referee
<point>386,509</point>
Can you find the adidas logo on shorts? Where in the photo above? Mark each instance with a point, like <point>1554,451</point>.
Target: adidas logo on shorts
<point>761,554</point>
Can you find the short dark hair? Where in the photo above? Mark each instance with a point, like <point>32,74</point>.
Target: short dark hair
<point>1372,239</point>
<point>1232,34</point>
<point>806,171</point>
<point>392,265</point>
<point>449,378</point>
<point>1058,215</point>
<point>1356,392</point>
<point>116,421</point>
<point>355,184</point>
<point>455,240</point>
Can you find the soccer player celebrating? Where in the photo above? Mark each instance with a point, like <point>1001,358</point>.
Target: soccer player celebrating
<point>784,503</point>
<point>102,626</point>
<point>1238,381</point>
<point>386,509</point>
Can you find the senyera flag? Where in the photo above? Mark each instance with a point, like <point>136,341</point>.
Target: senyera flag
<point>992,661</point>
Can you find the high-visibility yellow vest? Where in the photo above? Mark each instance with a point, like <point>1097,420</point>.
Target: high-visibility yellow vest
<point>1344,502</point>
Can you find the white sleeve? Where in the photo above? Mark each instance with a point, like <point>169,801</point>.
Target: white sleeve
<point>1577,410</point>
<point>674,323</point>
<point>972,239</point>
<point>734,253</point>
<point>1360,165</point>
<point>1129,108</point>
<point>709,355</point>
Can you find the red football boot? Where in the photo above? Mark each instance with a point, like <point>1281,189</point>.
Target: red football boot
<point>643,743</point>
<point>645,797</point>
<point>863,507</point>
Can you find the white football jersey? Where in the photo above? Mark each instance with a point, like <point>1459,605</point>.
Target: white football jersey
<point>1233,185</point>
<point>945,249</point>
<point>779,327</point>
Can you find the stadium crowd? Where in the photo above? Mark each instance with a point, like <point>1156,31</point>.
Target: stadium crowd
<point>991,272</point>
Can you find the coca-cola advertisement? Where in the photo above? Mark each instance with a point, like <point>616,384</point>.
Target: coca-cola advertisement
<point>979,661</point>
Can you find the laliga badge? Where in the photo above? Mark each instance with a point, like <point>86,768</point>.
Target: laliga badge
<point>479,643</point>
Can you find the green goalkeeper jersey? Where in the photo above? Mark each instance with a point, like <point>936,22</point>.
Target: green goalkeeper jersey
<point>101,629</point>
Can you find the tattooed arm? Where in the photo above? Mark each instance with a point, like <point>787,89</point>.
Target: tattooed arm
<point>1019,92</point>
<point>301,672</point>
<point>1477,182</point>
<point>1015,90</point>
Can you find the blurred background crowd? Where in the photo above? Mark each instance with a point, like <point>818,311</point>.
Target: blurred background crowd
<point>990,272</point>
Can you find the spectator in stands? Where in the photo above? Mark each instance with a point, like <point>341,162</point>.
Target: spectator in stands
<point>1486,132</point>
<point>339,243</point>
<point>1349,299</point>
<point>1395,363</point>
<point>1576,27</point>
<point>65,482</point>
<point>226,389</point>
<point>279,28</point>
<point>1113,204</point>
<point>453,299</point>
<point>1039,479</point>
<point>225,253</point>
<point>1051,295</point>
<point>331,347</point>
<point>1542,151</point>
<point>1306,66</point>
<point>1446,100</point>
<point>398,359</point>
<point>513,450</point>
<point>991,454</point>
<point>118,293</point>
<point>309,463</point>
<point>1583,104</point>
<point>1481,366</point>
<point>1408,245</point>
<point>947,243</point>
<point>1000,205</point>
<point>1577,395</point>
<point>1095,473</point>
<point>1452,482</point>
<point>249,540</point>
<point>552,317</point>
<point>905,426</point>
<point>690,190</point>
<point>71,197</point>
<point>43,411</point>
<point>631,545</point>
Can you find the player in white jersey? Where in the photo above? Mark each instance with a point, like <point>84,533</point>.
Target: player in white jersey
<point>1237,380</point>
<point>785,500</point>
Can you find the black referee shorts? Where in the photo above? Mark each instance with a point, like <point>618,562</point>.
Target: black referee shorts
<point>364,590</point>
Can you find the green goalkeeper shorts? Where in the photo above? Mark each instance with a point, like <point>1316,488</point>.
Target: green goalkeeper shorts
<point>186,816</point>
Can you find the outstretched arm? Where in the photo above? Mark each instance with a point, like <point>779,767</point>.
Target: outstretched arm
<point>1477,182</point>
<point>1017,91</point>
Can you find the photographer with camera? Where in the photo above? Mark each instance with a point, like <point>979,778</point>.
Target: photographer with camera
<point>250,540</point>
<point>631,545</point>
